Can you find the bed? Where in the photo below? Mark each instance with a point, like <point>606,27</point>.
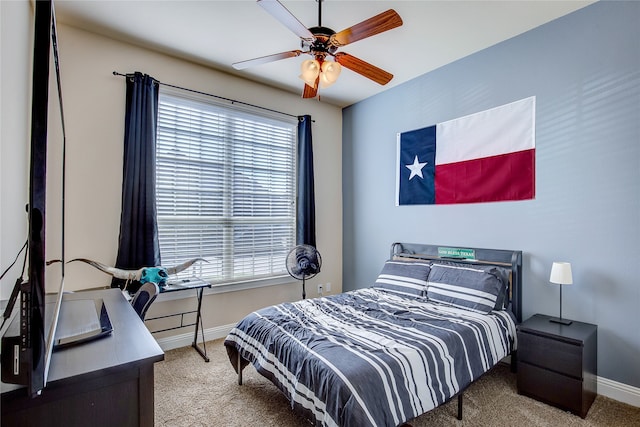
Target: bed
<point>435,320</point>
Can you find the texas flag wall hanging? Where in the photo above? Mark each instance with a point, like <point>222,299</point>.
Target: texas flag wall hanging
<point>484,157</point>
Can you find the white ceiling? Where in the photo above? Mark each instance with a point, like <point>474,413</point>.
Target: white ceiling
<point>218,33</point>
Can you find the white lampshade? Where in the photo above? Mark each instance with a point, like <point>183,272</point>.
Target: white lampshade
<point>561,273</point>
<point>330,72</point>
<point>310,70</point>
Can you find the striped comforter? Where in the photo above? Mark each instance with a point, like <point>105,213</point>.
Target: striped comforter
<point>368,357</point>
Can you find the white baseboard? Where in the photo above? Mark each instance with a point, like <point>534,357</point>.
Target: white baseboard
<point>612,389</point>
<point>186,339</point>
<point>618,391</point>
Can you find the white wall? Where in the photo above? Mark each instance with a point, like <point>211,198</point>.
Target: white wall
<point>16,35</point>
<point>94,114</point>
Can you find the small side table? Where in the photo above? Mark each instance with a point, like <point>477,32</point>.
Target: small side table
<point>182,285</point>
<point>557,364</point>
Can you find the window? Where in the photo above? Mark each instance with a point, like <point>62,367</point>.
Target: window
<point>225,188</point>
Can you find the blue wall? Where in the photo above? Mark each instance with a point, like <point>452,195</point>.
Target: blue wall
<point>584,70</point>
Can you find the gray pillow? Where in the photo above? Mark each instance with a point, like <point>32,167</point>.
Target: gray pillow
<point>472,287</point>
<point>407,278</point>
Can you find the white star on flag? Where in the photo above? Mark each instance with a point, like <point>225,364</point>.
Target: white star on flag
<point>416,168</point>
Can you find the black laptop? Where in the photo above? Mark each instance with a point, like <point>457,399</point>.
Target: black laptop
<point>81,320</point>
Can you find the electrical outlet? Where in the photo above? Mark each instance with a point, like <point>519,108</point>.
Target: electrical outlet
<point>328,287</point>
<point>320,290</point>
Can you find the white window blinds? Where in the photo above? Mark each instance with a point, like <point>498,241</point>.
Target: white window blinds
<point>225,189</point>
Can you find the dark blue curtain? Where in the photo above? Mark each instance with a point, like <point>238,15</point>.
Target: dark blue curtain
<point>306,206</point>
<point>138,242</point>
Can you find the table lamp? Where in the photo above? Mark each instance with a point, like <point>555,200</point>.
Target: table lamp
<point>561,275</point>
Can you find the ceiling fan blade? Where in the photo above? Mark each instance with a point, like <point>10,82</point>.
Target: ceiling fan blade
<point>361,67</point>
<point>282,14</point>
<point>265,59</point>
<point>311,92</point>
<point>384,21</point>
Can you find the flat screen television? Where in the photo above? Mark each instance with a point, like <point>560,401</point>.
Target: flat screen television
<point>28,342</point>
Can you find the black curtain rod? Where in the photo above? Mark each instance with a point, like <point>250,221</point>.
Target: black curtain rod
<point>233,101</point>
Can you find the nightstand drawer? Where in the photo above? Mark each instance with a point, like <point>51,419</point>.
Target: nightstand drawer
<point>550,387</point>
<point>552,354</point>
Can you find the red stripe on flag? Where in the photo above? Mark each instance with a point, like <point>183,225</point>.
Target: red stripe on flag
<point>504,177</point>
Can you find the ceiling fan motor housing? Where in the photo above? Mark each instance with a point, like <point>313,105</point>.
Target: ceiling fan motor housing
<point>322,43</point>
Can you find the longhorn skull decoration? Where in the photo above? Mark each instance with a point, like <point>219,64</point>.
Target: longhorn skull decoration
<point>157,275</point>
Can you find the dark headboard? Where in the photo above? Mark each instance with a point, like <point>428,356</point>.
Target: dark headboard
<point>500,257</point>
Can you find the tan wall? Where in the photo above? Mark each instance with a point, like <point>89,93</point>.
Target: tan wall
<point>94,112</point>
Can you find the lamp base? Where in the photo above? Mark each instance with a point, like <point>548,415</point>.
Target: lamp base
<point>561,321</point>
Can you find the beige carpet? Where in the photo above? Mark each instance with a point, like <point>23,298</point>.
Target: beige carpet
<point>190,392</point>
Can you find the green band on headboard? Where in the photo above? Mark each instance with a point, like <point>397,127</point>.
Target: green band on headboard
<point>456,253</point>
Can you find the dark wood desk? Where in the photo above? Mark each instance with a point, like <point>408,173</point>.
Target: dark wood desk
<point>106,382</point>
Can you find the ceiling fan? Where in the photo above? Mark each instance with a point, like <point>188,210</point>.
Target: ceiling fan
<point>322,42</point>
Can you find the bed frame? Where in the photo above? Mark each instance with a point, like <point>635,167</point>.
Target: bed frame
<point>499,257</point>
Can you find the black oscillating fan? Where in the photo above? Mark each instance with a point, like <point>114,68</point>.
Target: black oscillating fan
<point>303,262</point>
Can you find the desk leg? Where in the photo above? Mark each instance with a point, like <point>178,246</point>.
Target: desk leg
<point>203,350</point>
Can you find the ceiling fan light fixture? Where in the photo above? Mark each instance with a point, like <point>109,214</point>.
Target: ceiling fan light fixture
<point>330,72</point>
<point>310,69</point>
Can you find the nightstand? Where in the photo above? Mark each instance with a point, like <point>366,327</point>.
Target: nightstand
<point>557,364</point>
